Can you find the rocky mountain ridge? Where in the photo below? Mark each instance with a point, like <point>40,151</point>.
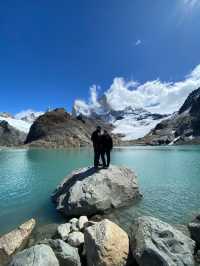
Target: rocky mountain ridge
<point>58,129</point>
<point>182,127</point>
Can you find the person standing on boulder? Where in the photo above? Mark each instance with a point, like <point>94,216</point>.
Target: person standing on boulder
<point>107,145</point>
<point>97,145</point>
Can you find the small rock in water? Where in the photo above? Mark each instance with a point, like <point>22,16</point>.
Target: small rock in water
<point>39,255</point>
<point>82,222</point>
<point>76,239</point>
<point>64,230</point>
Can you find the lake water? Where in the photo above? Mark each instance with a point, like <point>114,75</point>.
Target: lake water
<point>169,179</point>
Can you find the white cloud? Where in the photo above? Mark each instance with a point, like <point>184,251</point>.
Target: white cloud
<point>138,42</point>
<point>155,96</point>
<point>191,3</point>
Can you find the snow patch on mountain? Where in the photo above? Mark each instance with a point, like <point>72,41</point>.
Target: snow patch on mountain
<point>17,123</point>
<point>21,121</point>
<point>130,122</point>
<point>28,115</point>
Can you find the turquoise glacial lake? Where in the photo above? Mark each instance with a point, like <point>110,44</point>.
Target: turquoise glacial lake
<point>169,178</point>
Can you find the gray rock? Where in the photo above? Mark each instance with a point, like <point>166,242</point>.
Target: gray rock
<point>66,254</point>
<point>88,192</point>
<point>194,228</point>
<point>74,225</point>
<point>82,222</point>
<point>106,244</point>
<point>39,255</point>
<point>76,239</point>
<point>156,243</point>
<point>64,230</point>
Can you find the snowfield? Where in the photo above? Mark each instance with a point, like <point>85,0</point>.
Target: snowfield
<point>17,123</point>
<point>133,129</point>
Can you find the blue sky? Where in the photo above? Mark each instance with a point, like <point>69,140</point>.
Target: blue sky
<point>52,52</point>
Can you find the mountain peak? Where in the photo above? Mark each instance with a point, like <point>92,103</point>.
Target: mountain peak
<point>192,103</point>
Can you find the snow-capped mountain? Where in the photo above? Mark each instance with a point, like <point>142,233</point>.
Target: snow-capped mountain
<point>28,116</point>
<point>22,121</point>
<point>131,122</point>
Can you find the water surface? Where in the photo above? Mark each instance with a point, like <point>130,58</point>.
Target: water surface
<point>169,179</point>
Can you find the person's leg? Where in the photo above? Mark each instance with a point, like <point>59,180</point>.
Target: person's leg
<point>108,158</point>
<point>103,158</point>
<point>96,157</point>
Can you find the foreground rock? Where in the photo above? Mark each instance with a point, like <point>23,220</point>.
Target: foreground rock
<point>157,243</point>
<point>106,245</point>
<point>39,255</point>
<point>88,192</point>
<point>66,255</point>
<point>194,228</point>
<point>15,240</point>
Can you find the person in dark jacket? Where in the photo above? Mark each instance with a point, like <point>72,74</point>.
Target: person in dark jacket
<point>107,145</point>
<point>97,145</point>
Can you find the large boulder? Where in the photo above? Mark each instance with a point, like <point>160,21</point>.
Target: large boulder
<point>156,243</point>
<point>106,244</point>
<point>66,254</point>
<point>88,191</point>
<point>15,240</point>
<point>39,255</point>
<point>194,228</point>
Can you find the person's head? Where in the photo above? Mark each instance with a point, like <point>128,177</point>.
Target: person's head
<point>98,129</point>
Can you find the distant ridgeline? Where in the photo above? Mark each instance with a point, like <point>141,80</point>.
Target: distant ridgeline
<point>58,129</point>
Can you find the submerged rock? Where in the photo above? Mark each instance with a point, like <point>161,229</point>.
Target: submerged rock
<point>194,228</point>
<point>39,255</point>
<point>156,243</point>
<point>15,240</point>
<point>106,244</point>
<point>88,191</point>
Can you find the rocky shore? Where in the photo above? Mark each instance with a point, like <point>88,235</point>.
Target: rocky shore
<point>84,240</point>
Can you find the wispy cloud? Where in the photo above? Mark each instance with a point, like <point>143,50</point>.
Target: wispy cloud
<point>138,42</point>
<point>191,3</point>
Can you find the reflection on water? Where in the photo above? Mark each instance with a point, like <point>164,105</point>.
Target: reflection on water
<point>168,177</point>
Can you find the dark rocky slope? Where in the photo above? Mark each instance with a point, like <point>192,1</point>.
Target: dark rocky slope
<point>182,127</point>
<point>10,136</point>
<point>59,129</point>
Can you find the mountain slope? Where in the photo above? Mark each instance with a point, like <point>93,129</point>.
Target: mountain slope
<point>18,124</point>
<point>182,127</point>
<point>131,122</point>
<point>59,129</point>
<point>10,136</point>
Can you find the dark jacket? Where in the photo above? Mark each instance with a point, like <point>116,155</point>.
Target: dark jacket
<point>96,139</point>
<point>107,142</point>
